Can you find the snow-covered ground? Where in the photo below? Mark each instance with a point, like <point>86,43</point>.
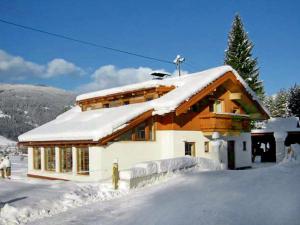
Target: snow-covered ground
<point>264,195</point>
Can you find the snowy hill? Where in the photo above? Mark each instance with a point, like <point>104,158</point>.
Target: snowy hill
<point>4,141</point>
<point>24,107</point>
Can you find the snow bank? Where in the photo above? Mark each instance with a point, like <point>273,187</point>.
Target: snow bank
<point>83,194</point>
<point>293,155</point>
<point>168,165</point>
<point>208,164</point>
<point>159,166</point>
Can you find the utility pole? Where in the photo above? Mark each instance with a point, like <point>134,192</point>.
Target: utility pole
<point>178,60</point>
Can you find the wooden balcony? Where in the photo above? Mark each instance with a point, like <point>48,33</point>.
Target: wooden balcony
<point>224,122</point>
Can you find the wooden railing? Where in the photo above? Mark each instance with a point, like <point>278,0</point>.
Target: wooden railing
<point>224,122</point>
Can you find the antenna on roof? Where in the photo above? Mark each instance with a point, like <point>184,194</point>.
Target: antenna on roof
<point>178,60</point>
<point>159,75</point>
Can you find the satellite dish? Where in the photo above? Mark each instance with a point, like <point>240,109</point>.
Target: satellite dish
<point>159,75</point>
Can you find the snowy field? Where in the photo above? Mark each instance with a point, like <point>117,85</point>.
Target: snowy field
<point>264,195</point>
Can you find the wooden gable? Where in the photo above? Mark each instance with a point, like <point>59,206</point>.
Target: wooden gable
<point>237,94</point>
<point>124,98</point>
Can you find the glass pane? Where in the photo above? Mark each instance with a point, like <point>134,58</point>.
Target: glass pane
<point>218,105</point>
<point>50,158</point>
<point>83,161</point>
<point>37,158</point>
<point>66,159</point>
<point>125,137</point>
<point>140,132</point>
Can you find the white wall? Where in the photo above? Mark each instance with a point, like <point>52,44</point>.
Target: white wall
<point>126,153</point>
<point>242,158</point>
<point>30,159</point>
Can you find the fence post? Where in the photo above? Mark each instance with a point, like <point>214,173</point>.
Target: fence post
<point>115,175</point>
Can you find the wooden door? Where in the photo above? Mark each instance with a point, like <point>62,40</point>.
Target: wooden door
<point>230,154</point>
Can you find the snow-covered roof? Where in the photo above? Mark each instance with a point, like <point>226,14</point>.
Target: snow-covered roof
<point>96,124</point>
<point>279,124</point>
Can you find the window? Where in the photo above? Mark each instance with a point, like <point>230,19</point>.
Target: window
<point>83,160</point>
<point>50,158</point>
<point>36,158</point>
<point>195,108</point>
<point>206,146</point>
<point>236,110</point>
<point>143,132</point>
<point>127,136</point>
<point>106,105</point>
<point>218,106</point>
<point>66,159</point>
<point>189,148</point>
<point>244,146</point>
<point>140,132</point>
<point>126,102</point>
<point>211,107</point>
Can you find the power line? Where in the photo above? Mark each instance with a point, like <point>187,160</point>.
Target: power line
<point>84,42</point>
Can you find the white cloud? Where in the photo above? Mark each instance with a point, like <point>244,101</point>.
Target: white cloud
<point>58,67</point>
<point>110,76</point>
<point>17,68</point>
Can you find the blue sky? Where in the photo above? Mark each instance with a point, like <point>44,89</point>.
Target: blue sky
<point>195,29</point>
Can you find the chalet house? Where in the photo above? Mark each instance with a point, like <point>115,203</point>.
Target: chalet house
<point>203,114</point>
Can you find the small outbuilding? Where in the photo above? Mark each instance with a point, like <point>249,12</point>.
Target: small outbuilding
<point>272,136</point>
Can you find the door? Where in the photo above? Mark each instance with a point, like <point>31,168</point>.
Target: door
<point>189,149</point>
<point>230,155</point>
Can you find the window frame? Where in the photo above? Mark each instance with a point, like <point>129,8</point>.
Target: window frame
<point>190,147</point>
<point>218,104</point>
<point>64,158</point>
<point>37,164</point>
<point>83,161</point>
<point>52,157</point>
<point>244,145</point>
<point>206,146</point>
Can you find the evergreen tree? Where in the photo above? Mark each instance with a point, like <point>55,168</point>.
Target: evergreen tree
<point>281,103</point>
<point>269,103</point>
<point>294,100</point>
<point>239,56</point>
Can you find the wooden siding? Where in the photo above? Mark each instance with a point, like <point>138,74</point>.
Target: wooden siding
<point>205,120</point>
<point>229,82</point>
<point>124,98</point>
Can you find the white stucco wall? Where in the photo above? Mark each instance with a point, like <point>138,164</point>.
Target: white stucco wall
<point>30,159</point>
<point>242,158</point>
<point>127,153</point>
